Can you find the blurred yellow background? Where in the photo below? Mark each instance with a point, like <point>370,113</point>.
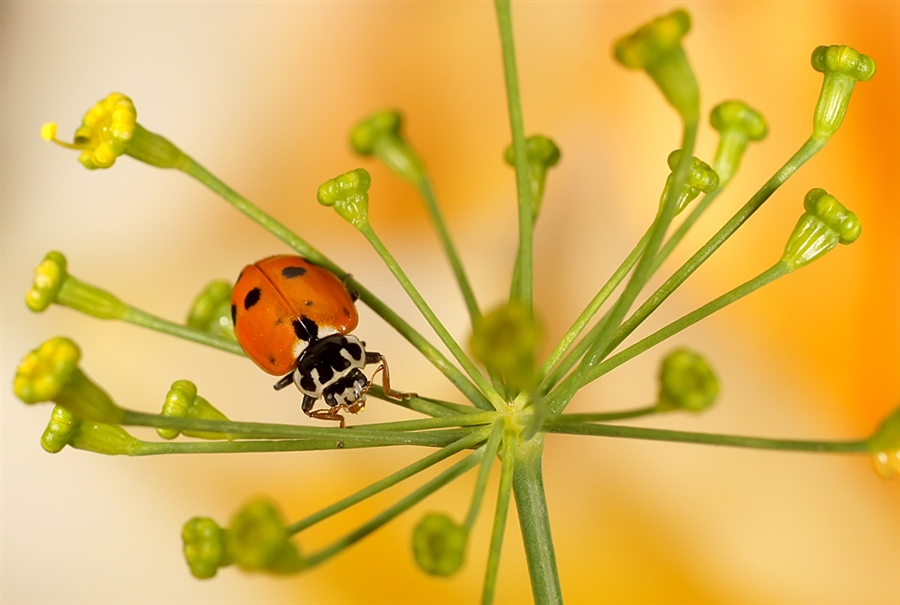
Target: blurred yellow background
<point>264,94</point>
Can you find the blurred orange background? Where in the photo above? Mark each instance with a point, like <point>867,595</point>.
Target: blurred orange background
<point>264,94</point>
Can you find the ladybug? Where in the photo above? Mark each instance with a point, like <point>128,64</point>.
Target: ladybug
<point>294,318</point>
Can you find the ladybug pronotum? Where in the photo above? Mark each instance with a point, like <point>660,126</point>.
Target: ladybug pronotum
<point>294,319</point>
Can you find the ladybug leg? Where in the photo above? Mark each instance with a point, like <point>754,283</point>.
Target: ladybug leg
<point>373,357</point>
<point>354,295</point>
<point>330,414</point>
<point>307,405</point>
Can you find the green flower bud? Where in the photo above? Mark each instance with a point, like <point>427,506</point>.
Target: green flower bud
<point>109,129</point>
<point>656,48</point>
<point>885,446</point>
<point>439,544</point>
<point>258,541</point>
<point>211,310</point>
<point>53,284</point>
<point>843,67</point>
<point>505,340</point>
<point>348,193</point>
<point>182,401</point>
<point>825,224</point>
<point>686,382</point>
<point>738,124</point>
<point>204,547</point>
<point>66,429</point>
<point>379,135</point>
<point>701,178</point>
<point>51,373</point>
<point>542,154</point>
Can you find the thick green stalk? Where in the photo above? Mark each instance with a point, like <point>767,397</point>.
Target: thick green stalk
<point>534,520</point>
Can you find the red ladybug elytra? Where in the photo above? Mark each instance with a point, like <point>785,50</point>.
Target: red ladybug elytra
<point>294,318</point>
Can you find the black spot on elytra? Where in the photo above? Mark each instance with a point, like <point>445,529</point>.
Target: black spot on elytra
<point>346,312</point>
<point>233,314</point>
<point>292,272</point>
<point>252,298</point>
<point>305,329</point>
<point>308,303</point>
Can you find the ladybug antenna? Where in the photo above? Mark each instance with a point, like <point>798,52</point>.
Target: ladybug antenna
<point>284,381</point>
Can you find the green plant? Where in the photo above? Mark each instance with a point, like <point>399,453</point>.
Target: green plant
<point>518,403</point>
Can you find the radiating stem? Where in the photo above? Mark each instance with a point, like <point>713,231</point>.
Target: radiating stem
<point>522,274</point>
<point>500,514</point>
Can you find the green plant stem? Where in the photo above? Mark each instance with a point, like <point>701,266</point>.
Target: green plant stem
<point>484,473</point>
<point>522,273</point>
<point>156,448</point>
<point>301,246</point>
<point>503,495</point>
<point>645,266</point>
<point>432,423</point>
<point>534,521</point>
<point>146,320</point>
<point>684,227</point>
<point>477,377</point>
<point>631,432</point>
<point>580,377</point>
<point>578,327</point>
<point>806,151</point>
<point>440,225</point>
<point>389,481</point>
<point>425,405</point>
<point>396,509</point>
<point>606,416</point>
<point>336,436</point>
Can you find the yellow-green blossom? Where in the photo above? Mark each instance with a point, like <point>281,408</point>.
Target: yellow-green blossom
<point>884,444</point>
<point>348,193</point>
<point>825,224</point>
<point>542,154</point>
<point>109,130</point>
<point>686,382</point>
<point>51,373</point>
<point>211,310</point>
<point>380,135</point>
<point>701,178</point>
<point>205,547</point>
<point>656,48</point>
<point>439,544</point>
<point>738,124</point>
<point>258,540</point>
<point>843,67</point>
<point>182,401</point>
<point>65,429</point>
<point>53,284</point>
